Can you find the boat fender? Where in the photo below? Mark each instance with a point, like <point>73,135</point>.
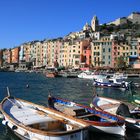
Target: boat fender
<point>14,127</point>
<point>1,116</point>
<point>4,122</point>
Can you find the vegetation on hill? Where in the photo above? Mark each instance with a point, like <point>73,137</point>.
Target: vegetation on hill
<point>129,29</point>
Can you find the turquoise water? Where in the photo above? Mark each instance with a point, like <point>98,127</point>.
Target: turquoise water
<point>78,90</point>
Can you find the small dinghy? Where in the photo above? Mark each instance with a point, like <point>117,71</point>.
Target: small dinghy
<point>116,107</point>
<point>35,122</point>
<point>100,121</point>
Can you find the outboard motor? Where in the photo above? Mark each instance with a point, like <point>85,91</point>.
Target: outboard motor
<point>123,110</point>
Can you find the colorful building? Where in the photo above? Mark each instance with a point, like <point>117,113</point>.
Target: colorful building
<point>15,55</point>
<point>7,57</point>
<point>101,52</point>
<point>85,53</point>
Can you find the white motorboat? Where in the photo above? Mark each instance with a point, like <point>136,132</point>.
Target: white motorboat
<point>120,76</point>
<point>116,107</point>
<point>89,75</point>
<point>111,82</point>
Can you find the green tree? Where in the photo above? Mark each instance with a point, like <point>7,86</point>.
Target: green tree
<point>121,63</point>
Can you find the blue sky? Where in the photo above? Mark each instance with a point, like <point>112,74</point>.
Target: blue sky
<point>26,20</point>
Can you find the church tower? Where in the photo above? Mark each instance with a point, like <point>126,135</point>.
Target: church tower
<point>86,27</point>
<point>94,23</point>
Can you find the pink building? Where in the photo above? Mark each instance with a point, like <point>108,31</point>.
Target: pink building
<point>86,53</point>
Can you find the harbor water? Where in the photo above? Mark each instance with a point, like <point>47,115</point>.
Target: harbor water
<point>35,87</point>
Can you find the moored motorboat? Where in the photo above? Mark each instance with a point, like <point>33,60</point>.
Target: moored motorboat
<point>35,122</point>
<point>119,108</point>
<point>86,75</point>
<point>120,75</point>
<point>90,75</point>
<point>100,121</point>
<point>112,82</point>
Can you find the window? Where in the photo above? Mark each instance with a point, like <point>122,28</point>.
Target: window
<point>109,50</point>
<point>103,49</point>
<point>76,62</point>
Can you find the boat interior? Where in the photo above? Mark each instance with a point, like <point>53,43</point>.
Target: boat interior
<point>82,113</point>
<point>37,119</point>
<point>53,126</point>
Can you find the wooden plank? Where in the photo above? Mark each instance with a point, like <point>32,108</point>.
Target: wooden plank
<point>84,116</point>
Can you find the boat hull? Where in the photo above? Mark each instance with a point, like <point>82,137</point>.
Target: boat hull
<point>108,85</point>
<point>114,127</point>
<point>102,103</point>
<point>21,133</point>
<point>35,122</point>
<point>109,130</point>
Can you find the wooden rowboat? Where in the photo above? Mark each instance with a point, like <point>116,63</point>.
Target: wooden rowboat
<point>119,108</point>
<point>100,121</point>
<point>35,122</point>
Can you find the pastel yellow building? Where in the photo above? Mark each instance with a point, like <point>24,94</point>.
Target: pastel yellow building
<point>101,52</point>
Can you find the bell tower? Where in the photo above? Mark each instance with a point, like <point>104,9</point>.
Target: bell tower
<point>94,23</point>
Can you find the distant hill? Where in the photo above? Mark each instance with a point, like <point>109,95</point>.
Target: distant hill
<point>128,29</point>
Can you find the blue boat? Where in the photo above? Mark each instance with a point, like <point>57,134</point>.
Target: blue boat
<point>100,121</point>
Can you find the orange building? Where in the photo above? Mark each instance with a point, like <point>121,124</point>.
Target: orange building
<point>15,55</point>
<point>86,52</point>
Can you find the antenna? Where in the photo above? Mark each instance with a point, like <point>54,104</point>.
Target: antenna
<point>8,92</point>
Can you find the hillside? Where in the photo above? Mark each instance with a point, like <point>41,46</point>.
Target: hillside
<point>128,29</point>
